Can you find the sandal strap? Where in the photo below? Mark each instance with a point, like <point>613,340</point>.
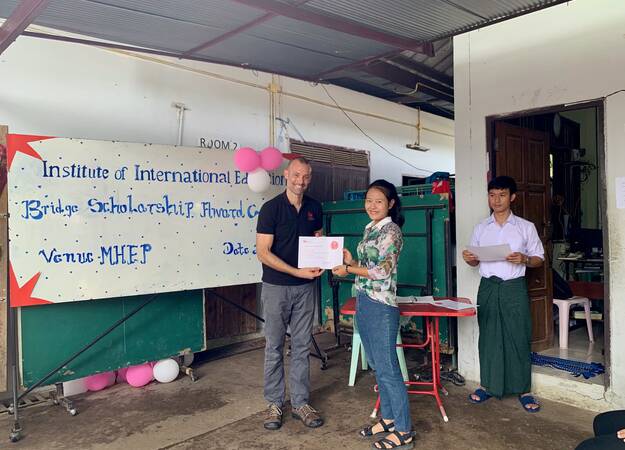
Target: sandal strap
<point>402,437</point>
<point>368,430</point>
<point>387,444</point>
<point>386,426</point>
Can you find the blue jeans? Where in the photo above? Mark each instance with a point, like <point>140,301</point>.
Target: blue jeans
<point>378,325</point>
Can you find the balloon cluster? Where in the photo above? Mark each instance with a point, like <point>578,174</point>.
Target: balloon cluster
<point>256,164</point>
<point>164,371</point>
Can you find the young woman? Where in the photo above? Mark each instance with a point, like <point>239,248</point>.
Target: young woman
<point>377,313</point>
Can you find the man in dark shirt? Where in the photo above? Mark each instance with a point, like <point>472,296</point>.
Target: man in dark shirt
<point>288,293</point>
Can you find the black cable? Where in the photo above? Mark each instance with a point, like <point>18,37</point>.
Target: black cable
<point>370,138</point>
<point>615,92</point>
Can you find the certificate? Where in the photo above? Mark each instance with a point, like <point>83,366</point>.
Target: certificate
<point>324,252</point>
<point>491,252</point>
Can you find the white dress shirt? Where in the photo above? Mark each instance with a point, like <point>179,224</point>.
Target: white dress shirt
<point>519,233</point>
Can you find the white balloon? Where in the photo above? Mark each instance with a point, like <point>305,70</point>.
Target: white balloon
<point>258,180</point>
<point>166,370</point>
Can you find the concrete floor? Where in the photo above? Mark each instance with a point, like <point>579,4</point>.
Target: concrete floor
<point>223,410</point>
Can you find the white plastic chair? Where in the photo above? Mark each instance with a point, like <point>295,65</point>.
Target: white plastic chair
<point>564,307</point>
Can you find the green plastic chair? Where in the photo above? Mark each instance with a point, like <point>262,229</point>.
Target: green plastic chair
<point>359,350</point>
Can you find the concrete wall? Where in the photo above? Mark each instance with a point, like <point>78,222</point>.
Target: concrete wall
<point>69,90</point>
<point>564,54</point>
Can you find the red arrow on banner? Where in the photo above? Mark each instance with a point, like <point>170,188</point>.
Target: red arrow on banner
<point>20,143</point>
<point>22,296</point>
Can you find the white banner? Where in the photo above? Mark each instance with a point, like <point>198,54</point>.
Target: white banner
<point>95,219</point>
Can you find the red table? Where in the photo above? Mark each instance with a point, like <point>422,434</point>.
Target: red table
<point>431,314</point>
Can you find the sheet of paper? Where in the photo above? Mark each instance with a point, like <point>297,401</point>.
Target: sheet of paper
<point>620,192</point>
<point>415,299</point>
<point>456,306</point>
<point>491,252</point>
<point>324,252</point>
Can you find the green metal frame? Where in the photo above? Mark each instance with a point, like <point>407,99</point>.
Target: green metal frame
<point>170,325</point>
<point>424,265</point>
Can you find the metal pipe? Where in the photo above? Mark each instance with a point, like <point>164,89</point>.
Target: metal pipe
<point>430,271</point>
<point>181,109</point>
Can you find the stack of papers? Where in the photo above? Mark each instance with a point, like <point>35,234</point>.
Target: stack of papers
<point>448,304</point>
<point>415,299</point>
<point>490,253</point>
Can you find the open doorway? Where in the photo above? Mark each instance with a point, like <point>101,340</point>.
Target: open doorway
<point>556,156</point>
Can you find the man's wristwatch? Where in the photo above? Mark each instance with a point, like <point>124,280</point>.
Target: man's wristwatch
<point>526,260</point>
<point>346,268</point>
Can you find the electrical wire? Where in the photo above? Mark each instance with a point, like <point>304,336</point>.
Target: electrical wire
<point>613,93</point>
<point>369,137</point>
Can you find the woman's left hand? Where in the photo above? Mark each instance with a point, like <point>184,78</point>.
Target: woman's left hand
<point>621,434</point>
<point>339,271</point>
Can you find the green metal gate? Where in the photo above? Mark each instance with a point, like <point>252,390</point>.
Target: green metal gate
<point>424,264</point>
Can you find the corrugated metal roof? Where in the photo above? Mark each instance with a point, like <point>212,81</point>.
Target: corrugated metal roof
<point>415,19</point>
<point>308,36</point>
<point>254,52</point>
<point>422,19</point>
<point>309,39</point>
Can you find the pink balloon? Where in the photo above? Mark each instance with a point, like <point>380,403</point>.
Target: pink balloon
<point>140,375</point>
<point>121,374</point>
<point>246,159</point>
<point>99,381</point>
<point>270,158</point>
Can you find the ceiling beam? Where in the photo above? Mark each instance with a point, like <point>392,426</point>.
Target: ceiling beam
<point>391,96</point>
<point>335,23</point>
<point>367,88</point>
<point>409,80</point>
<point>246,26</point>
<point>150,51</point>
<point>424,69</point>
<point>265,17</point>
<point>23,15</point>
<point>352,65</point>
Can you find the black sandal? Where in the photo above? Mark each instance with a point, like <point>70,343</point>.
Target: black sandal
<point>368,431</point>
<point>404,444</point>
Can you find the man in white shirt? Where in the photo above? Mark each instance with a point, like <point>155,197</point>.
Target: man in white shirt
<point>504,306</point>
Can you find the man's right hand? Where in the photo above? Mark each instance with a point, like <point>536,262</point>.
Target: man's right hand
<point>310,273</point>
<point>470,258</point>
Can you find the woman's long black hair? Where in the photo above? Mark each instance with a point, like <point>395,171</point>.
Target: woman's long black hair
<point>390,192</point>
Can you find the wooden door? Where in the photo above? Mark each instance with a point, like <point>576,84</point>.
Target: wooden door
<point>224,320</point>
<point>524,155</point>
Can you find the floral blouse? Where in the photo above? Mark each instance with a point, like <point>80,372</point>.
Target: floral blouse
<point>379,252</point>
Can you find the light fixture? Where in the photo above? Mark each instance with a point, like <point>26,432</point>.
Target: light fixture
<point>417,144</point>
<point>417,147</point>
